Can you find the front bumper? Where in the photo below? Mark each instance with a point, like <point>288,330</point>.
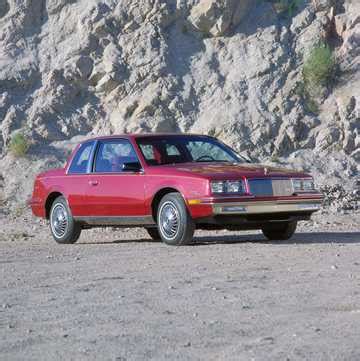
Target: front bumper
<point>263,207</point>
<point>249,205</point>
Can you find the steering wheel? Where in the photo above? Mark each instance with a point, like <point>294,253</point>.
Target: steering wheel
<point>205,157</point>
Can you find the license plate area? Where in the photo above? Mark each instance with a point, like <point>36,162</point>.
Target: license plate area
<point>270,187</point>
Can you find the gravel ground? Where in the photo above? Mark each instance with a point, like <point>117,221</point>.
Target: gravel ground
<point>117,295</point>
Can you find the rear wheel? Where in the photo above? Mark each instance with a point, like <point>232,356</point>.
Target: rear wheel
<point>279,231</point>
<point>63,227</point>
<point>175,225</point>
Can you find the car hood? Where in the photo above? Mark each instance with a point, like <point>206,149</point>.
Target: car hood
<point>234,170</point>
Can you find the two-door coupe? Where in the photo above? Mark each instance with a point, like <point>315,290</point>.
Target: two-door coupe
<point>170,184</point>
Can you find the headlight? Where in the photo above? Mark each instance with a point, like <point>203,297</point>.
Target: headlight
<point>303,185</point>
<point>227,187</point>
<point>308,185</point>
<point>217,187</point>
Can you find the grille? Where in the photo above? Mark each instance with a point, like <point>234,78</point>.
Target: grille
<point>270,187</point>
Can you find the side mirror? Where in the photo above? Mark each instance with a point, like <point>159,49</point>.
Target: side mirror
<point>131,167</point>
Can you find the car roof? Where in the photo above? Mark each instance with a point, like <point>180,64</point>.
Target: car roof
<point>142,135</point>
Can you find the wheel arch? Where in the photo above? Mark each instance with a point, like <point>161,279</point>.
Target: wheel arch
<point>50,200</point>
<point>159,195</point>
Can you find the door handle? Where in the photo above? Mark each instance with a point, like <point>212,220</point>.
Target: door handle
<point>93,183</point>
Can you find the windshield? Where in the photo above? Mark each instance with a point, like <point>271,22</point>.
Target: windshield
<point>159,150</point>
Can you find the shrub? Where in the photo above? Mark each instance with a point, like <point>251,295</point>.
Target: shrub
<point>19,145</point>
<point>274,158</point>
<point>318,73</point>
<point>286,7</point>
<point>319,68</point>
<point>310,104</point>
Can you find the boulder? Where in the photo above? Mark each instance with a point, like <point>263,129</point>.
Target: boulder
<point>215,17</point>
<point>323,5</point>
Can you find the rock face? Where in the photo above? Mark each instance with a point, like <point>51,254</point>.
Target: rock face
<point>229,68</point>
<point>214,17</point>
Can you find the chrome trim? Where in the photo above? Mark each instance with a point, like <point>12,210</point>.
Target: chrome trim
<point>284,206</point>
<point>274,187</point>
<point>116,220</point>
<point>252,199</point>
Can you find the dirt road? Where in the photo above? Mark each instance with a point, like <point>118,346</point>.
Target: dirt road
<point>116,295</point>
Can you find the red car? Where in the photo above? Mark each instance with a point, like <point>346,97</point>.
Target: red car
<point>170,184</point>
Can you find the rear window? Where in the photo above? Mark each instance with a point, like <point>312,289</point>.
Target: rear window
<point>80,162</point>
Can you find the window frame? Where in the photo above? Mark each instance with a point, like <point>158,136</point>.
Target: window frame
<point>111,140</point>
<point>205,138</point>
<point>93,144</point>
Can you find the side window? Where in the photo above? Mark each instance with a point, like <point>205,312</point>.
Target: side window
<point>112,154</point>
<point>80,161</point>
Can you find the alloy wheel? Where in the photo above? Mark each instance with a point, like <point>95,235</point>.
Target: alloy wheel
<point>59,220</point>
<point>169,221</point>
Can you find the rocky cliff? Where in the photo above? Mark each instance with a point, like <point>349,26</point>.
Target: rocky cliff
<point>229,68</point>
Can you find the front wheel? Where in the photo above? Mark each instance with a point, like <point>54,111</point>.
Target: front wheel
<point>63,227</point>
<point>176,227</point>
<point>279,231</point>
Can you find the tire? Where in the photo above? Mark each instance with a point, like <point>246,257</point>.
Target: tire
<point>62,225</point>
<point>154,233</point>
<point>175,225</point>
<point>281,232</point>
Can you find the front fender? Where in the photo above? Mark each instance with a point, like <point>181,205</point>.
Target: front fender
<point>189,188</point>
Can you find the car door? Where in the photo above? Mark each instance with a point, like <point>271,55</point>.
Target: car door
<point>77,177</point>
<point>111,190</point>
